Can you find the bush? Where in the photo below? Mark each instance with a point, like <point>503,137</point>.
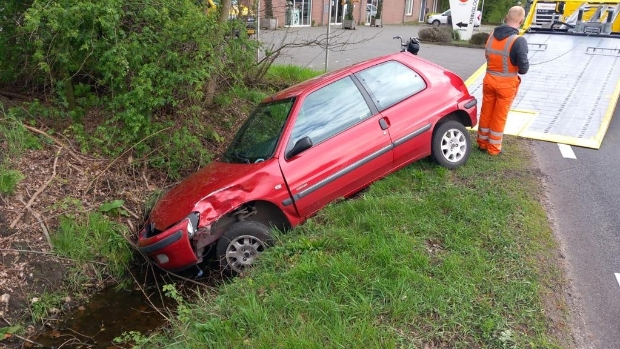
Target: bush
<point>456,36</point>
<point>434,34</point>
<point>121,71</point>
<point>479,38</point>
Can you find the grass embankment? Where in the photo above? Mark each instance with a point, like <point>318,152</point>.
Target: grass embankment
<point>425,258</point>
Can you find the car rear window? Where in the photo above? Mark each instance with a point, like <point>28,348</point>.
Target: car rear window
<point>391,82</point>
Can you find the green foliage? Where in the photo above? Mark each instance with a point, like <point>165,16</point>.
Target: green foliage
<point>456,35</point>
<point>434,34</point>
<point>14,45</point>
<point>495,11</point>
<point>5,332</point>
<point>287,75</point>
<point>230,97</point>
<point>131,66</point>
<point>181,149</point>
<point>426,255</point>
<point>93,238</point>
<point>269,8</point>
<point>41,306</point>
<point>114,208</point>
<point>379,9</point>
<point>14,138</point>
<point>9,180</point>
<point>479,38</point>
<point>349,14</point>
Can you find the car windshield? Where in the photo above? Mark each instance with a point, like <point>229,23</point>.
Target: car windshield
<point>257,139</point>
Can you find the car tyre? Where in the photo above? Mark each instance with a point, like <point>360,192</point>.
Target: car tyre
<point>436,23</point>
<point>451,144</point>
<point>241,244</point>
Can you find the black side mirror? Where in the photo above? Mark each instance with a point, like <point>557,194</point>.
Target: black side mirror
<point>300,146</point>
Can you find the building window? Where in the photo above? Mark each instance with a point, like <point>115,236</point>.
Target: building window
<point>408,7</point>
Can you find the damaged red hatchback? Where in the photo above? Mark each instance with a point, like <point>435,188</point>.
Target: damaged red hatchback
<point>304,147</point>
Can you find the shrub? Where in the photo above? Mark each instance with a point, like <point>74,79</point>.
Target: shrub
<point>456,36</point>
<point>479,38</point>
<point>9,180</point>
<point>434,34</point>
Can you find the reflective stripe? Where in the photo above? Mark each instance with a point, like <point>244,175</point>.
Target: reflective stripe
<point>481,137</point>
<point>495,141</point>
<point>496,134</point>
<point>504,53</point>
<point>485,130</point>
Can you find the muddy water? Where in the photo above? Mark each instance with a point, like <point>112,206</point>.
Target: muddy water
<point>107,316</point>
<point>111,313</point>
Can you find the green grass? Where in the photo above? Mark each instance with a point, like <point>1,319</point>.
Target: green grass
<point>41,307</point>
<point>14,139</point>
<point>9,180</point>
<point>93,238</point>
<point>289,74</point>
<point>425,258</point>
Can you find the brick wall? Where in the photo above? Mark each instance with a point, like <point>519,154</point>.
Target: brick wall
<point>393,11</point>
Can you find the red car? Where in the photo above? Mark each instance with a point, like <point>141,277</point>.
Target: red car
<point>304,147</point>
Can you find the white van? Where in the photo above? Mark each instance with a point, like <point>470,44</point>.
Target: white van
<point>442,18</point>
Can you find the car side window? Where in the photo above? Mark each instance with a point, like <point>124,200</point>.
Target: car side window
<point>391,82</point>
<point>329,111</point>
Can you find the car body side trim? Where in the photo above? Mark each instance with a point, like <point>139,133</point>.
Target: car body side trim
<point>343,172</point>
<point>162,243</point>
<point>354,166</point>
<point>412,135</point>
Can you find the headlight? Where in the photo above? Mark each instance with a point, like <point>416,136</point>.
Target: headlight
<point>192,224</point>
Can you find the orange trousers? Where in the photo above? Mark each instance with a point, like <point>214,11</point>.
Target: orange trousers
<point>498,93</point>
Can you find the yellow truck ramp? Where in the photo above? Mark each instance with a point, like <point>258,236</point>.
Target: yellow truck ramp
<point>570,91</point>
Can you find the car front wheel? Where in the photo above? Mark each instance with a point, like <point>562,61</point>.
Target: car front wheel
<point>451,144</point>
<point>241,244</point>
<point>436,23</point>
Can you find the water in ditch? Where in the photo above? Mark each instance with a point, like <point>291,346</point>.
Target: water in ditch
<point>111,313</point>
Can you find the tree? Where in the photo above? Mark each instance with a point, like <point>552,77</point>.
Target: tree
<point>269,8</point>
<point>349,14</point>
<point>135,58</point>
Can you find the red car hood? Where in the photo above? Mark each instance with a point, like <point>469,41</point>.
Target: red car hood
<point>216,177</point>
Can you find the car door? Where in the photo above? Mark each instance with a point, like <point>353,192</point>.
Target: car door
<point>398,93</point>
<point>350,146</point>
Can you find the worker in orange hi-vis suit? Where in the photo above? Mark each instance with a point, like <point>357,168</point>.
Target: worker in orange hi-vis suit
<point>506,54</point>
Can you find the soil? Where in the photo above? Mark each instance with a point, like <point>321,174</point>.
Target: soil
<point>59,180</point>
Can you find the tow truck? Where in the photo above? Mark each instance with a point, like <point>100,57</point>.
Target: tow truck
<point>237,12</point>
<point>571,89</point>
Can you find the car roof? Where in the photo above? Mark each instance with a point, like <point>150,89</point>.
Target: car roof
<point>334,75</point>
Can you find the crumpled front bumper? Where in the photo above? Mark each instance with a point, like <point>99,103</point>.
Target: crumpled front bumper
<point>170,249</point>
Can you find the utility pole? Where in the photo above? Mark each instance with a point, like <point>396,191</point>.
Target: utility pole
<point>329,20</point>
<point>257,31</point>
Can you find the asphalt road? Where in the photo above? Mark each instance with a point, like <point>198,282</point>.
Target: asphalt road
<point>585,197</point>
<point>583,193</point>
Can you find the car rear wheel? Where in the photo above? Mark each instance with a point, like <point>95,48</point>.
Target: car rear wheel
<point>436,23</point>
<point>241,244</point>
<point>451,144</point>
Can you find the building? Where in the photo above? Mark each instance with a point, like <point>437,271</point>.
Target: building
<point>300,13</point>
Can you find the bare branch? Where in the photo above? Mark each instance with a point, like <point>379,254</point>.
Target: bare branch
<point>43,226</point>
<point>41,189</point>
<point>118,157</point>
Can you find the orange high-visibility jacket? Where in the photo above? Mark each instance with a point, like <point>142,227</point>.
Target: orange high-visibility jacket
<point>497,53</point>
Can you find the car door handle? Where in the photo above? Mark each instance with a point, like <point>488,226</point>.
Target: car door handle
<point>384,123</point>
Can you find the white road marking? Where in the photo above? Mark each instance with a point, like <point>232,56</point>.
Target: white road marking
<point>567,151</point>
<point>618,278</point>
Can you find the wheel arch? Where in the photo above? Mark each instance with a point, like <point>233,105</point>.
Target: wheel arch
<point>457,115</point>
<point>261,211</point>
